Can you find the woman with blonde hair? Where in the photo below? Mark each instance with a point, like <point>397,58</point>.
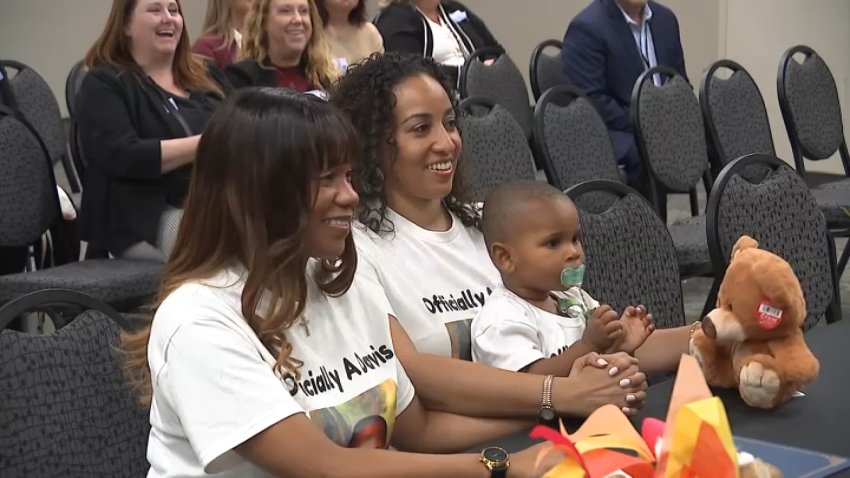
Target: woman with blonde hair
<point>284,46</point>
<point>350,37</point>
<point>271,355</point>
<point>141,109</point>
<point>222,33</point>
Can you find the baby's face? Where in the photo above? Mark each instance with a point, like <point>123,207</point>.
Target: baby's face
<point>547,241</point>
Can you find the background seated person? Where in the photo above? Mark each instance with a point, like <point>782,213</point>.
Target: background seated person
<point>284,47</point>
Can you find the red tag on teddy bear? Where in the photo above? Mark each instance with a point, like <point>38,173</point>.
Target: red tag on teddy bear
<point>768,316</point>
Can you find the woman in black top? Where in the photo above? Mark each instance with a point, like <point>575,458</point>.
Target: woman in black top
<point>142,108</point>
<point>444,30</point>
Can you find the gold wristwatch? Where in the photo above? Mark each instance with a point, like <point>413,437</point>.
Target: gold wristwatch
<point>497,460</point>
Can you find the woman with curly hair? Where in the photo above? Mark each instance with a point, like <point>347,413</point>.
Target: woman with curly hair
<point>284,46</point>
<point>416,236</point>
<point>265,324</point>
<point>419,232</point>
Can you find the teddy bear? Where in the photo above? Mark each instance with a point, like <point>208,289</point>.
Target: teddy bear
<point>753,340</point>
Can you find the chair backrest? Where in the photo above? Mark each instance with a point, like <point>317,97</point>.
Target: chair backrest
<point>809,102</point>
<point>495,148</point>
<point>669,129</point>
<point>72,86</point>
<point>6,96</point>
<point>546,68</point>
<point>635,268</point>
<point>783,216</point>
<point>501,81</point>
<point>36,101</point>
<point>734,113</point>
<point>65,408</point>
<point>573,143</point>
<point>29,204</point>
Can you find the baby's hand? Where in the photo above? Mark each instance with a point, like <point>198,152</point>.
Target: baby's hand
<point>603,329</point>
<point>637,326</point>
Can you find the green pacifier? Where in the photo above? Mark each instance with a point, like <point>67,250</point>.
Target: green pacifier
<point>572,276</point>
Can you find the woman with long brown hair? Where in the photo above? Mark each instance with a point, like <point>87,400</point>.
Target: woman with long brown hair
<point>264,324</point>
<point>222,33</point>
<point>284,46</point>
<point>142,107</point>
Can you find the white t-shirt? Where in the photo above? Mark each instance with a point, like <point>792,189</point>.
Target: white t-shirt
<point>214,386</point>
<point>435,281</point>
<point>510,333</point>
<point>447,49</point>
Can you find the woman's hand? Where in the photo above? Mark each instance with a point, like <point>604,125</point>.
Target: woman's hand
<point>523,462</point>
<point>605,379</point>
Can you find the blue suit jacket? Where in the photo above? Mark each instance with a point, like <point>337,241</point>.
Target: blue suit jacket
<point>601,58</point>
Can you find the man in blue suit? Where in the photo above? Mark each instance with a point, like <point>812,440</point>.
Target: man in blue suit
<point>606,47</point>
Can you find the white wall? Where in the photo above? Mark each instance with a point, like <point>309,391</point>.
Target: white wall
<point>759,31</point>
<point>52,35</point>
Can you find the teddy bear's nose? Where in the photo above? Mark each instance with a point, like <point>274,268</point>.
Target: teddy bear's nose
<point>708,328</point>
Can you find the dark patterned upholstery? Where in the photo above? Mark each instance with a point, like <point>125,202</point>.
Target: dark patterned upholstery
<point>631,260</point>
<point>740,121</point>
<point>29,206</point>
<point>496,151</point>
<point>503,83</point>
<point>672,131</point>
<point>576,140</point>
<point>549,69</point>
<point>64,407</point>
<point>783,216</point>
<point>28,202</point>
<point>124,284</point>
<point>813,104</point>
<point>691,245</point>
<point>36,101</point>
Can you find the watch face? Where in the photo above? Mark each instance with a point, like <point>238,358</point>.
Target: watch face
<point>495,454</point>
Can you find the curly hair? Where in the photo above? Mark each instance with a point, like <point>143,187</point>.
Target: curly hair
<point>366,93</point>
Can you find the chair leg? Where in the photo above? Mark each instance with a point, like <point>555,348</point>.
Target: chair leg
<point>845,255</point>
<point>694,202</point>
<point>711,300</point>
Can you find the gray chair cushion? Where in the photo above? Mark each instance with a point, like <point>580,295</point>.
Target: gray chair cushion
<point>834,203</point>
<point>36,101</point>
<point>124,284</point>
<point>673,135</point>
<point>28,202</point>
<point>631,260</point>
<point>550,70</point>
<point>813,103</point>
<point>739,117</point>
<point>784,217</point>
<point>691,245</point>
<point>495,150</point>
<point>503,83</point>
<point>64,407</point>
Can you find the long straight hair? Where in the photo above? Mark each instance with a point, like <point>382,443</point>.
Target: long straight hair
<point>112,48</point>
<point>218,20</point>
<point>316,59</point>
<point>249,203</point>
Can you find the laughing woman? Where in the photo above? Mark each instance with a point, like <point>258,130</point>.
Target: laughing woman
<point>269,354</point>
<point>142,107</point>
<point>284,47</point>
